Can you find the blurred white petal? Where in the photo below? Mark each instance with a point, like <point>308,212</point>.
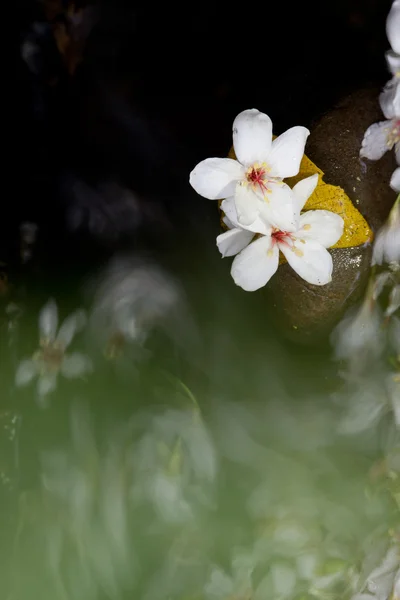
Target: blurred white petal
<point>72,325</point>
<point>47,384</point>
<point>75,365</point>
<point>26,371</point>
<point>48,320</point>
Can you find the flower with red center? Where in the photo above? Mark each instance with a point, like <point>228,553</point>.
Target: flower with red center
<point>254,179</point>
<point>304,249</point>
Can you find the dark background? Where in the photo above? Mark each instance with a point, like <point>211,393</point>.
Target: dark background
<point>157,91</point>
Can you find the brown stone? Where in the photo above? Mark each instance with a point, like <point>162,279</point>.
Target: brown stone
<point>309,312</point>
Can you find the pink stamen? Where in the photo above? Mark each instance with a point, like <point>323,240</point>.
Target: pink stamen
<point>257,176</point>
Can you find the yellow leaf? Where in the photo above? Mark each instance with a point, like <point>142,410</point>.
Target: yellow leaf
<point>331,197</point>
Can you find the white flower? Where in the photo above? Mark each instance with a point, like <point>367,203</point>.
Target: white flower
<point>381,137</point>
<point>389,99</point>
<point>51,358</point>
<point>359,338</point>
<point>255,178</point>
<point>395,180</point>
<point>304,249</point>
<point>174,462</point>
<point>222,586</point>
<point>379,584</point>
<point>387,242</point>
<point>393,26</point>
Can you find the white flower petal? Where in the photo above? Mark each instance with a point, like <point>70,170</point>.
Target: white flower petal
<point>358,331</point>
<point>387,242</point>
<point>48,320</point>
<point>393,26</point>
<point>46,384</point>
<point>303,190</point>
<point>307,565</point>
<point>310,260</point>
<point>216,178</point>
<point>375,142</point>
<point>279,209</point>
<point>287,151</point>
<point>283,580</point>
<point>395,180</point>
<point>389,99</point>
<point>228,207</point>
<point>228,223</point>
<point>252,137</point>
<point>322,226</point>
<point>219,586</point>
<point>255,265</point>
<point>26,371</point>
<point>393,62</point>
<point>248,205</point>
<point>75,365</point>
<point>394,301</point>
<point>168,499</point>
<point>233,241</point>
<point>365,408</point>
<point>70,327</point>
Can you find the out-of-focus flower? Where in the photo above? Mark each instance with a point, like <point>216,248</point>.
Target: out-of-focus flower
<point>359,336</point>
<point>239,583</point>
<point>84,514</point>
<point>393,26</point>
<point>51,358</point>
<point>254,180</point>
<point>174,463</point>
<point>131,299</point>
<point>379,584</point>
<point>382,137</point>
<point>389,99</point>
<point>387,242</point>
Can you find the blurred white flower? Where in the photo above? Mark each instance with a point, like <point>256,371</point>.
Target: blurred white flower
<point>364,407</point>
<point>239,583</point>
<point>393,390</point>
<point>85,520</point>
<point>51,358</point>
<point>393,26</point>
<point>387,242</point>
<point>174,462</point>
<point>389,99</point>
<point>382,137</point>
<point>380,582</point>
<point>359,338</point>
<point>254,179</point>
<point>132,297</point>
<point>304,249</point>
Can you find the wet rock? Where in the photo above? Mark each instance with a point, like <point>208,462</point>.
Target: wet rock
<point>307,312</point>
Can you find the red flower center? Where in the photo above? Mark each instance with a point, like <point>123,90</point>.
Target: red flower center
<point>257,177</point>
